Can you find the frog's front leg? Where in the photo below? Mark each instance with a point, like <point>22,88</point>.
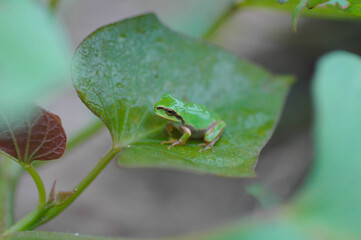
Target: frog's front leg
<point>212,135</point>
<point>181,141</point>
<point>169,130</point>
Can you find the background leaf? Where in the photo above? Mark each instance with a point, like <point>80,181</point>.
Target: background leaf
<point>197,18</point>
<point>9,175</point>
<point>330,11</point>
<point>121,70</point>
<point>34,55</point>
<point>38,136</point>
<point>346,6</point>
<point>332,194</point>
<point>54,236</point>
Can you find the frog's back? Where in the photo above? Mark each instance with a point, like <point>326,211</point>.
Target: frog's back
<point>198,116</point>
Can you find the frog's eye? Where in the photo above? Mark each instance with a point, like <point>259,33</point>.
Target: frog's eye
<point>169,112</point>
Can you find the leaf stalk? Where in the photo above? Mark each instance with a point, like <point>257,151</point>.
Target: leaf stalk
<point>25,222</point>
<point>47,211</point>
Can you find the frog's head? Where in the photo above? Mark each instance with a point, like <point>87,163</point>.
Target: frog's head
<point>167,108</point>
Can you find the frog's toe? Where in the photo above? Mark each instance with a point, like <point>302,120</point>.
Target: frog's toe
<point>170,141</point>
<point>176,143</point>
<point>209,146</point>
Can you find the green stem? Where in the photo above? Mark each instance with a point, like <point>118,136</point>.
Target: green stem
<point>57,209</point>
<point>39,183</point>
<point>47,212</point>
<point>53,4</point>
<point>24,223</point>
<point>11,172</point>
<point>6,195</point>
<point>7,189</point>
<point>223,19</point>
<point>84,134</point>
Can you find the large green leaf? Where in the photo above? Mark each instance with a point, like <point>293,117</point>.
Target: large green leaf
<point>121,70</point>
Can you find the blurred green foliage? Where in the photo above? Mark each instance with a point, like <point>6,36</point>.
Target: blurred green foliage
<point>197,18</point>
<point>331,197</point>
<point>34,55</point>
<point>335,7</point>
<point>331,10</point>
<point>326,207</point>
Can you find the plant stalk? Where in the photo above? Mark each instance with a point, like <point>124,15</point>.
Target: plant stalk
<point>57,209</point>
<point>45,212</point>
<point>84,134</point>
<point>9,172</point>
<point>223,19</point>
<point>25,222</point>
<point>53,5</point>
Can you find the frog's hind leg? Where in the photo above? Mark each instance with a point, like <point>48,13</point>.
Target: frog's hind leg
<point>212,135</point>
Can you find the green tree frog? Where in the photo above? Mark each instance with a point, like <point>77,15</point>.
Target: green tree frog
<point>192,120</point>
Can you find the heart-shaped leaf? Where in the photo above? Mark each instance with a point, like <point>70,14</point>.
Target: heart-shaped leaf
<point>38,136</point>
<point>121,70</point>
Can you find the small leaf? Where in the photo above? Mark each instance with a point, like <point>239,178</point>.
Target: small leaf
<point>52,193</point>
<point>121,70</point>
<point>313,3</point>
<point>334,9</point>
<point>38,136</point>
<point>343,4</point>
<point>62,196</point>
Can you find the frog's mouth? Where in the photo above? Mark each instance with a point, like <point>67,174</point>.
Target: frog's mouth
<point>161,112</point>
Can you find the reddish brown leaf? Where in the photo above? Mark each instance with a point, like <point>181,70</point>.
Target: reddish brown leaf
<point>38,136</point>
<point>61,197</point>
